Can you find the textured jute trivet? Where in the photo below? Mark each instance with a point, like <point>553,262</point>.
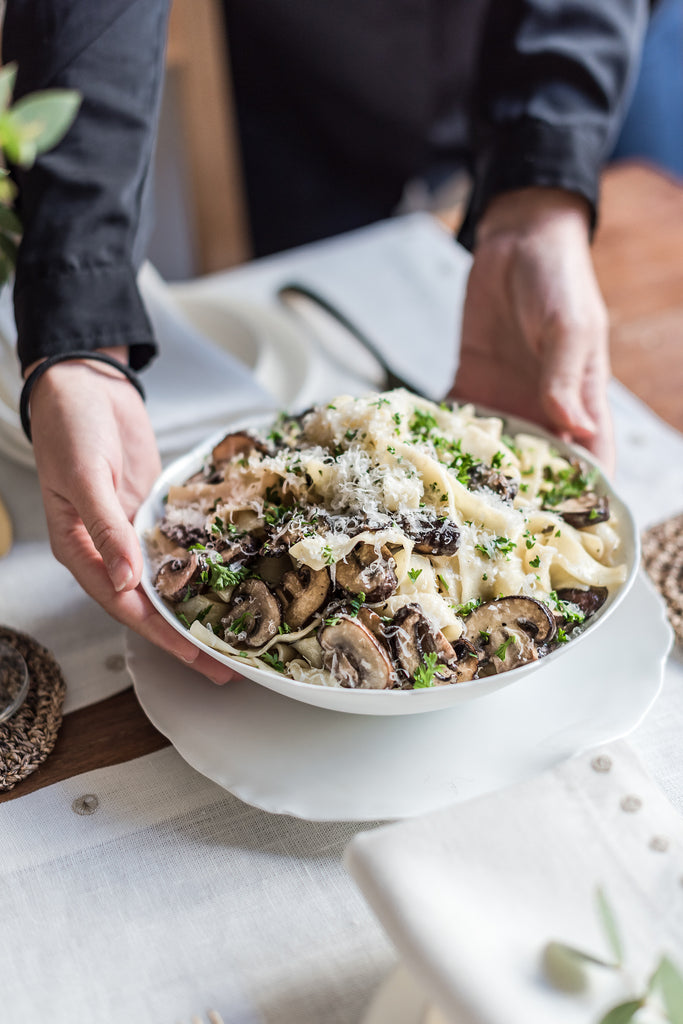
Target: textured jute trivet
<point>663,559</point>
<point>29,736</point>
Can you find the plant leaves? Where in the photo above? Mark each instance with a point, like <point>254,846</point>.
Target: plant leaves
<point>9,222</point>
<point>588,958</point>
<point>8,249</point>
<point>669,980</point>
<point>622,1013</point>
<point>8,190</point>
<point>10,138</point>
<point>8,75</point>
<point>609,925</point>
<point>43,118</point>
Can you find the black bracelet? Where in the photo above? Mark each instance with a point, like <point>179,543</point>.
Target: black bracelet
<point>62,357</point>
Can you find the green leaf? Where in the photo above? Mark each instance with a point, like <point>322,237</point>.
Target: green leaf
<point>8,190</point>
<point>12,144</point>
<point>8,75</point>
<point>622,1013</point>
<point>43,118</point>
<point>588,958</point>
<point>669,980</point>
<point>9,222</point>
<point>8,248</point>
<point>609,925</point>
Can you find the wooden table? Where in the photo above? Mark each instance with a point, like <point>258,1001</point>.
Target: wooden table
<point>639,259</point>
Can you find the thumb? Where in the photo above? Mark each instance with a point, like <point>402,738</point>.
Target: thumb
<point>98,505</point>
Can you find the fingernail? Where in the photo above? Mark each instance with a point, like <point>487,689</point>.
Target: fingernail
<point>220,679</point>
<point>189,659</point>
<point>120,574</point>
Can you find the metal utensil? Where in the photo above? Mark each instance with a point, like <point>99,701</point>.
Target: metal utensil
<point>14,680</point>
<point>297,297</point>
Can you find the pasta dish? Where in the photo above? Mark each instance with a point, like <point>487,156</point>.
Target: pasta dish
<point>386,542</point>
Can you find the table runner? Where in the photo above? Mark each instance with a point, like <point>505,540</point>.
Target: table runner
<point>172,897</point>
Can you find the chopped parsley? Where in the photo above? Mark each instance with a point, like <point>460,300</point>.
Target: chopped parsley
<point>535,561</point>
<point>424,673</point>
<point>350,434</point>
<point>497,460</point>
<point>562,637</point>
<point>485,635</point>
<point>502,650</point>
<point>414,574</point>
<point>273,661</point>
<point>239,624</point>
<point>495,546</point>
<point>391,449</point>
<point>332,622</point>
<point>422,423</point>
<point>184,619</point>
<point>327,555</point>
<point>284,628</point>
<point>380,402</point>
<point>442,581</point>
<point>220,576</point>
<point>568,482</point>
<point>465,609</point>
<point>356,603</point>
<point>569,612</point>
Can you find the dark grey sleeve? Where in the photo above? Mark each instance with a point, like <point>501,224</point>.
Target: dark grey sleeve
<point>81,203</point>
<point>553,79</point>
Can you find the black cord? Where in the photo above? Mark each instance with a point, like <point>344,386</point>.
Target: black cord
<point>62,357</point>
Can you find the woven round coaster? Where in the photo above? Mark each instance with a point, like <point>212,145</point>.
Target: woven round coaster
<point>29,736</point>
<point>663,559</point>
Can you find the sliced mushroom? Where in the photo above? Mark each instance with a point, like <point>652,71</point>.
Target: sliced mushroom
<point>232,445</point>
<point>354,657</point>
<point>586,510</point>
<point>253,615</point>
<point>412,638</point>
<point>433,535</point>
<point>587,601</point>
<point>482,476</point>
<point>178,578</point>
<point>372,621</point>
<point>507,632</point>
<point>363,571</point>
<point>302,593</point>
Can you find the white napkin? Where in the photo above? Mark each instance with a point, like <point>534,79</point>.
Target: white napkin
<point>471,895</point>
<point>192,389</point>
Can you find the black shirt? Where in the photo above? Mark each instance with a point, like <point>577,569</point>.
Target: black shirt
<point>363,86</point>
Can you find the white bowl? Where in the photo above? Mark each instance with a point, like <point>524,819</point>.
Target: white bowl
<point>383,702</point>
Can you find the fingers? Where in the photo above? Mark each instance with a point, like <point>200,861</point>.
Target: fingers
<point>113,536</point>
<point>74,547</point>
<point>563,366</point>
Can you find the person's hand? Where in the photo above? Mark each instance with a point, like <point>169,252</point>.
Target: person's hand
<point>535,331</point>
<point>97,459</point>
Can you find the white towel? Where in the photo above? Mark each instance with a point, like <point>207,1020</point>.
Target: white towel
<point>471,895</point>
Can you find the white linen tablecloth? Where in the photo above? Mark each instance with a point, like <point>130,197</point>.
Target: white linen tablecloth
<point>174,897</point>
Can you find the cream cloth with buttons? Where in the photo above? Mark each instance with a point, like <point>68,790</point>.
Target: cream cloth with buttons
<point>470,895</point>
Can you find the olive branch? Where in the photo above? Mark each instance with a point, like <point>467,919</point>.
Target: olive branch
<point>565,968</point>
<point>31,126</point>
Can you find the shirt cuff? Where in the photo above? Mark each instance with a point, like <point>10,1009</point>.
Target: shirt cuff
<point>533,153</point>
<point>72,306</point>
